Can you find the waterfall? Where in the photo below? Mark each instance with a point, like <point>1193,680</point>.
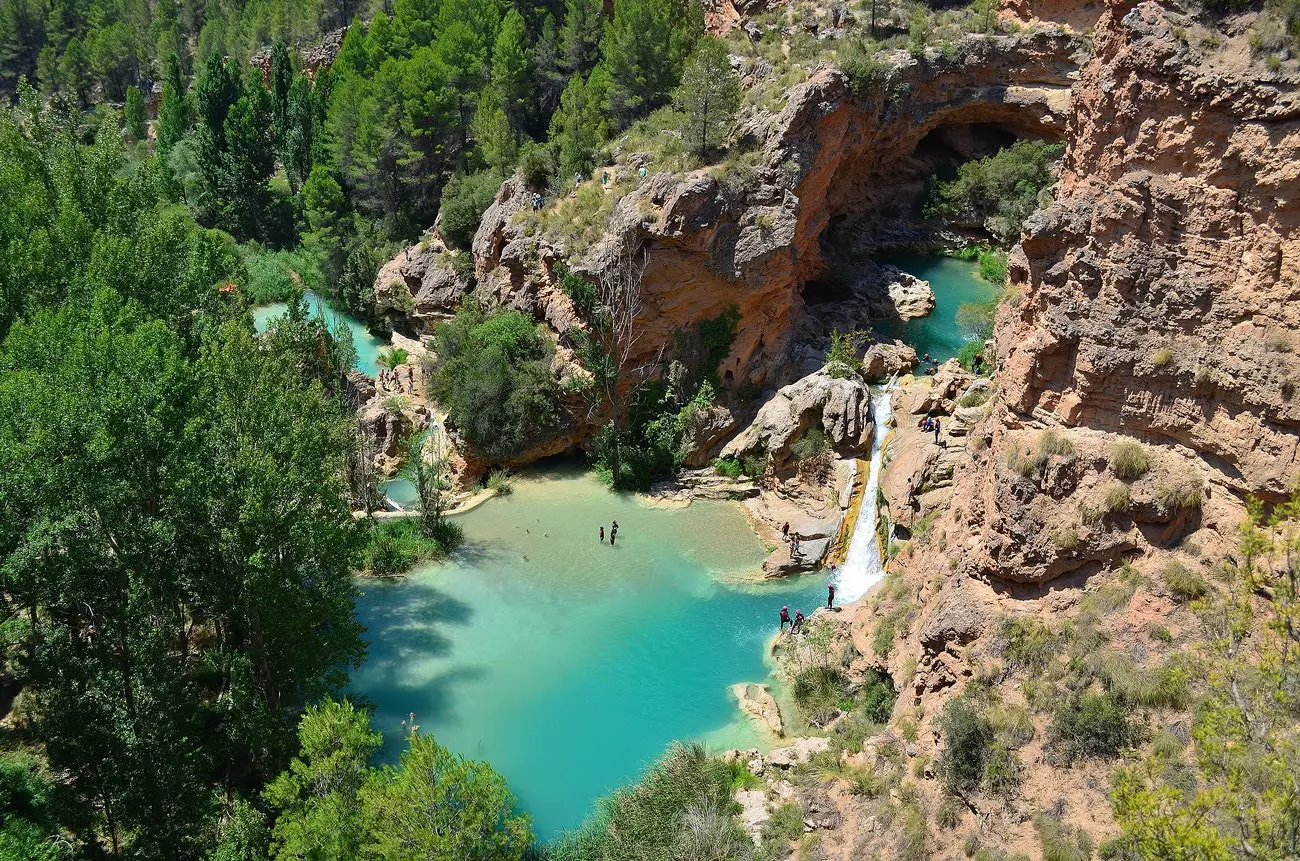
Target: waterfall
<point>863,567</point>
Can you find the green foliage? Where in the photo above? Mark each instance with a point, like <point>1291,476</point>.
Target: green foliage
<point>1028,644</point>
<point>433,804</point>
<point>1183,582</point>
<point>1157,687</point>
<point>464,200</point>
<point>1129,460</point>
<point>812,444</point>
<point>717,334</point>
<point>29,814</point>
<point>1239,802</point>
<point>842,360</point>
<point>391,357</point>
<point>642,53</point>
<point>133,120</point>
<point>979,742</point>
<point>870,74</point>
<point>728,466</point>
<point>396,546</point>
<point>784,826</point>
<point>680,808</point>
<point>279,276</point>
<point>709,95</point>
<point>1054,444</point>
<point>1061,842</point>
<point>969,350</point>
<point>579,290</point>
<point>499,482</point>
<point>993,266</point>
<point>1091,725</point>
<point>998,192</point>
<point>493,375</point>
<point>1184,494</point>
<point>817,690</point>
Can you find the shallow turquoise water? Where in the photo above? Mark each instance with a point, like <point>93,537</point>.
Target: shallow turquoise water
<point>368,346</point>
<point>567,663</point>
<point>954,282</point>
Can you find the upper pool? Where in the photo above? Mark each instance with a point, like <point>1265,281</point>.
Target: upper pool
<point>368,346</point>
<point>567,663</point>
<point>954,282</point>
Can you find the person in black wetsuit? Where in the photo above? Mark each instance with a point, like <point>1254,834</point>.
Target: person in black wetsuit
<point>785,617</point>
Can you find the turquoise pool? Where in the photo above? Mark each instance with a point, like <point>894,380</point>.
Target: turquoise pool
<point>954,282</point>
<point>567,663</point>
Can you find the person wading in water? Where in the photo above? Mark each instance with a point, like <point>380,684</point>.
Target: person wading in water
<point>602,535</point>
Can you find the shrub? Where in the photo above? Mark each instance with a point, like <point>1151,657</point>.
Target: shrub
<point>1161,357</point>
<point>949,814</point>
<point>1027,644</point>
<point>537,164</point>
<point>1129,460</point>
<point>728,466</point>
<point>870,75</point>
<point>1158,687</point>
<point>278,276</point>
<point>975,398</point>
<point>1185,583</point>
<point>813,443</point>
<point>581,292</point>
<point>817,691</point>
<point>1180,494</point>
<point>493,375</point>
<point>785,825</point>
<point>1022,464</point>
<point>1053,444</point>
<point>1159,632</point>
<point>392,357</point>
<point>1061,842</point>
<point>464,200</point>
<point>974,753</point>
<point>969,350</point>
<point>499,482</point>
<point>396,546</point>
<point>1116,499</point>
<point>1091,724</point>
<point>1067,538</point>
<point>877,696</point>
<point>912,836</point>
<point>993,266</point>
<point>842,358</point>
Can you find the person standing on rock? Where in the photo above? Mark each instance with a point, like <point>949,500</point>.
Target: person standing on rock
<point>830,596</point>
<point>798,622</point>
<point>785,530</point>
<point>794,546</point>
<point>785,617</point>
<point>936,431</point>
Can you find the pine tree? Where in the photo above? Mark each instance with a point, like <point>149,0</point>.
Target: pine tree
<point>174,115</point>
<point>281,80</point>
<point>510,73</point>
<point>133,114</point>
<point>493,133</point>
<point>548,75</point>
<point>643,49</point>
<point>709,96</point>
<point>577,128</point>
<point>298,137</point>
<point>584,26</point>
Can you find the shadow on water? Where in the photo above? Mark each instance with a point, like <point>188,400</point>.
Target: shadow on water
<point>406,631</point>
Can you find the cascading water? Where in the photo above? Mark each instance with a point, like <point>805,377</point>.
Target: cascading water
<point>863,567</point>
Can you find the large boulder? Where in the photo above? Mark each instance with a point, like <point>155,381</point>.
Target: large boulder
<point>883,361</point>
<point>704,431</point>
<point>840,408</point>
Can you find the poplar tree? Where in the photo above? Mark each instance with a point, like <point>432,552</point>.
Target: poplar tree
<point>133,114</point>
<point>174,115</point>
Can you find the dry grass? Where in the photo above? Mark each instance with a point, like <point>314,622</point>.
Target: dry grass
<point>1185,583</point>
<point>1180,494</point>
<point>1129,460</point>
<point>1161,357</point>
<point>1116,499</point>
<point>1054,444</point>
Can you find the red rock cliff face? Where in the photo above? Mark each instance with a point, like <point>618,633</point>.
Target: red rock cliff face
<point>1160,289</point>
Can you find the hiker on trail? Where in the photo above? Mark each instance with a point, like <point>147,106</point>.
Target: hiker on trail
<point>794,546</point>
<point>604,178</point>
<point>785,617</point>
<point>830,596</point>
<point>936,431</point>
<point>410,375</point>
<point>641,172</point>
<point>976,363</point>
<point>798,622</point>
<point>602,535</point>
<point>785,530</point>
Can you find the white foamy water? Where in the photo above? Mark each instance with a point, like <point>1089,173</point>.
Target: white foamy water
<point>863,567</point>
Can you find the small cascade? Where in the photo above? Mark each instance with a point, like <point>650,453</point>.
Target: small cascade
<point>863,567</point>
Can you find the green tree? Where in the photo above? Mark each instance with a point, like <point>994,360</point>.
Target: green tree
<point>643,50</point>
<point>494,377</point>
<point>175,111</point>
<point>438,806</point>
<point>495,139</point>
<point>325,212</point>
<point>316,797</point>
<point>246,162</point>
<point>1244,802</point>
<point>709,95</point>
<point>281,79</point>
<point>578,127</point>
<point>133,114</point>
<point>299,135</point>
<point>511,75</point>
<point>580,37</point>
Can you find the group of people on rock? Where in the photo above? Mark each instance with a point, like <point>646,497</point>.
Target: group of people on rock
<point>613,533</point>
<point>393,379</point>
<point>793,539</point>
<point>930,424</point>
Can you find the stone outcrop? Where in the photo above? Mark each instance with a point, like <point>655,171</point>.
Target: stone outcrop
<point>882,361</point>
<point>757,702</point>
<point>840,408</point>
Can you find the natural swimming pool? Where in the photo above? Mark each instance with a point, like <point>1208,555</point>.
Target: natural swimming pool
<point>954,282</point>
<point>569,664</point>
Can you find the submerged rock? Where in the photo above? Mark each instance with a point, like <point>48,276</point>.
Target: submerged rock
<point>757,702</point>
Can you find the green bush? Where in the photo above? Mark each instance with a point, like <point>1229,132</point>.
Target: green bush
<point>979,742</point>
<point>464,200</point>
<point>976,398</point>
<point>278,276</point>
<point>813,443</point>
<point>1158,687</point>
<point>969,350</point>
<point>1027,644</point>
<point>1061,842</point>
<point>784,826</point>
<point>1129,460</point>
<point>581,292</point>
<point>877,696</point>
<point>498,482</point>
<point>681,802</point>
<point>993,266</point>
<point>998,192</point>
<point>1184,494</point>
<point>842,359</point>
<point>1186,584</point>
<point>395,546</point>
<point>537,164</point>
<point>392,357</point>
<point>728,466</point>
<point>1090,725</point>
<point>493,376</point>
<point>818,691</point>
<point>1116,499</point>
